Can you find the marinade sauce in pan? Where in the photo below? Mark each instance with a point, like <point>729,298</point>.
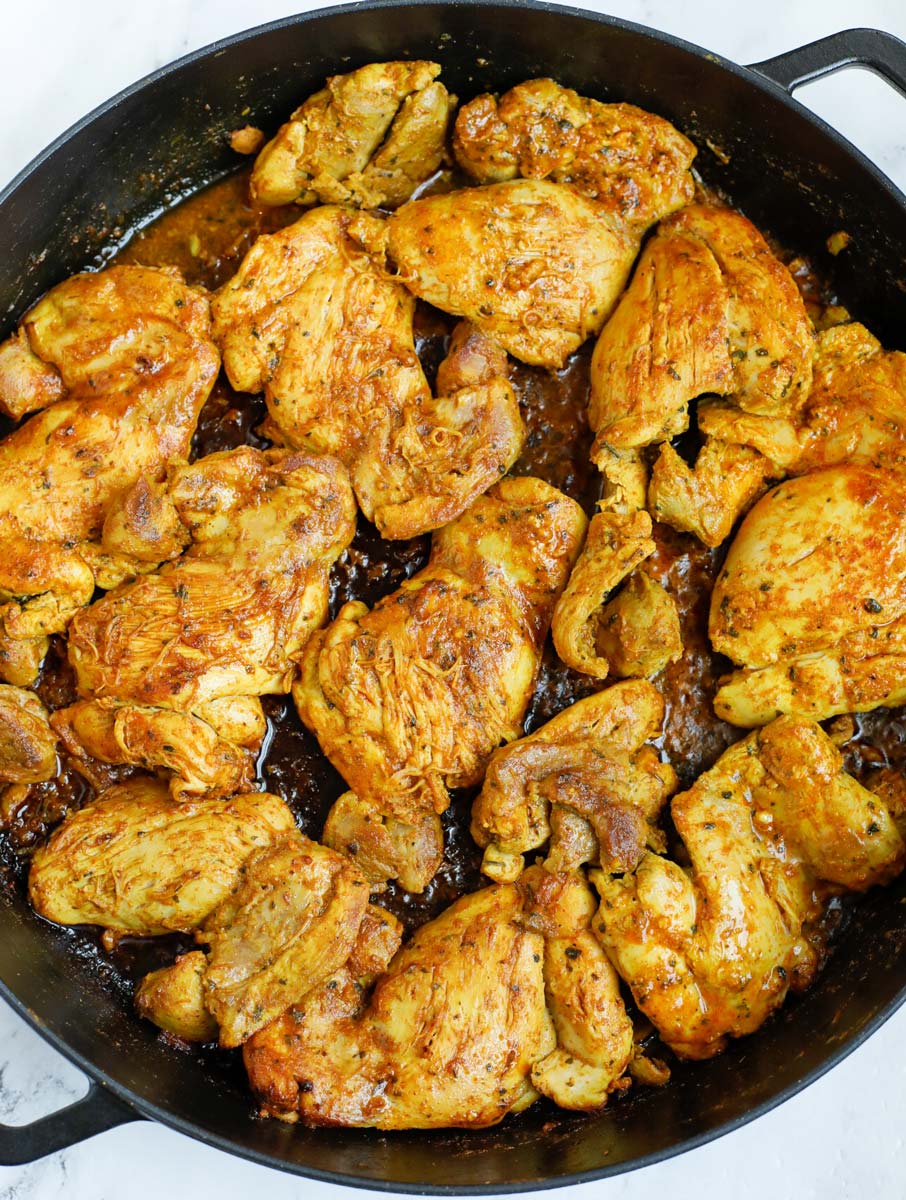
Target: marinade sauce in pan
<point>206,237</point>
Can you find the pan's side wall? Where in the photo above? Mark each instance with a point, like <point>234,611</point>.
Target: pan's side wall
<point>169,137</point>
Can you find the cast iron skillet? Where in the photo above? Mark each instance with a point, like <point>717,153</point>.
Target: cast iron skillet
<point>163,138</point>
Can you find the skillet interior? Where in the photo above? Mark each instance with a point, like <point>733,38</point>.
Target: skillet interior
<point>165,139</point>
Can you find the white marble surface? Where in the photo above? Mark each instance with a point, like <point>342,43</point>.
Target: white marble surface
<point>845,1135</point>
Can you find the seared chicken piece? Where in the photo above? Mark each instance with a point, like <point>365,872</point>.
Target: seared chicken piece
<point>710,951</point>
<point>709,310</point>
<point>28,745</point>
<point>585,782</point>
<point>637,633</point>
<point>172,664</point>
<point>384,847</point>
<point>173,999</point>
<point>854,412</point>
<point>368,138</point>
<point>532,264</point>
<point>707,499</point>
<point>635,163</point>
<point>291,922</point>
<point>121,362</point>
<point>812,599</point>
<point>412,697</point>
<point>311,321</point>
<point>502,995</point>
<point>136,861</point>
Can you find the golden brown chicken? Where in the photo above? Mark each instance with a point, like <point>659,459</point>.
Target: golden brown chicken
<point>586,784</point>
<point>633,162</point>
<point>412,697</point>
<point>121,362</point>
<point>368,138</point>
<point>637,632</point>
<point>173,999</point>
<point>709,310</point>
<point>812,599</point>
<point>311,321</point>
<point>533,264</point>
<point>854,412</point>
<point>503,996</point>
<point>136,861</point>
<point>710,951</point>
<point>28,745</point>
<point>171,665</point>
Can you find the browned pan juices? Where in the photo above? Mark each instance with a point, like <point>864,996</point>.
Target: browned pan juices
<point>205,237</point>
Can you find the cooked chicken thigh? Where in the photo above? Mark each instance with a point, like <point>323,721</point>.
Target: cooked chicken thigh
<point>812,599</point>
<point>121,362</point>
<point>502,996</point>
<point>412,697</point>
<point>368,138</point>
<point>585,782</point>
<point>171,665</point>
<point>710,951</point>
<point>28,745</point>
<point>709,310</point>
<point>311,321</point>
<point>635,163</point>
<point>136,861</point>
<point>854,412</point>
<point>173,998</point>
<point>532,264</point>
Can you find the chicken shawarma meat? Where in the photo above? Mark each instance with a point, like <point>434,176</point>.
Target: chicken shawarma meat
<point>171,666</point>
<point>634,163</point>
<point>312,322</point>
<point>532,264</point>
<point>120,363</point>
<point>412,697</point>
<point>28,745</point>
<point>811,601</point>
<point>504,996</point>
<point>586,784</point>
<point>136,861</point>
<point>711,950</point>
<point>710,310</point>
<point>369,138</point>
<point>173,999</point>
<point>854,411</point>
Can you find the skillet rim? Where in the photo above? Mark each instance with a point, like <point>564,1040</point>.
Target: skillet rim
<point>140,1108</point>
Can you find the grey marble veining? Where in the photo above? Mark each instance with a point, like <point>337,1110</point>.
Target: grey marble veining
<point>844,1136</point>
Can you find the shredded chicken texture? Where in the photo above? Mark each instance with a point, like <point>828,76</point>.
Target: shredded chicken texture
<point>121,363</point>
<point>441,1043</point>
<point>369,138</point>
<point>411,698</point>
<point>711,950</point>
<point>812,599</point>
<point>585,784</point>
<point>533,264</point>
<point>171,666</point>
<point>136,861</point>
<point>631,161</point>
<point>311,321</point>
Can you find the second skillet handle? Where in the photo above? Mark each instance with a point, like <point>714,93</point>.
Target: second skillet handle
<point>96,1112</point>
<point>870,48</point>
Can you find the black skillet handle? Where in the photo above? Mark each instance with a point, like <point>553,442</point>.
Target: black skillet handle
<point>870,48</point>
<point>96,1112</point>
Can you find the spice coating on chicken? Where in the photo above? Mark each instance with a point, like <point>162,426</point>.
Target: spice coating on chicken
<point>28,745</point>
<point>136,861</point>
<point>412,697</point>
<point>123,361</point>
<point>441,1043</point>
<point>172,664</point>
<point>533,264</point>
<point>311,320</point>
<point>710,951</point>
<point>634,163</point>
<point>368,138</point>
<point>585,783</point>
